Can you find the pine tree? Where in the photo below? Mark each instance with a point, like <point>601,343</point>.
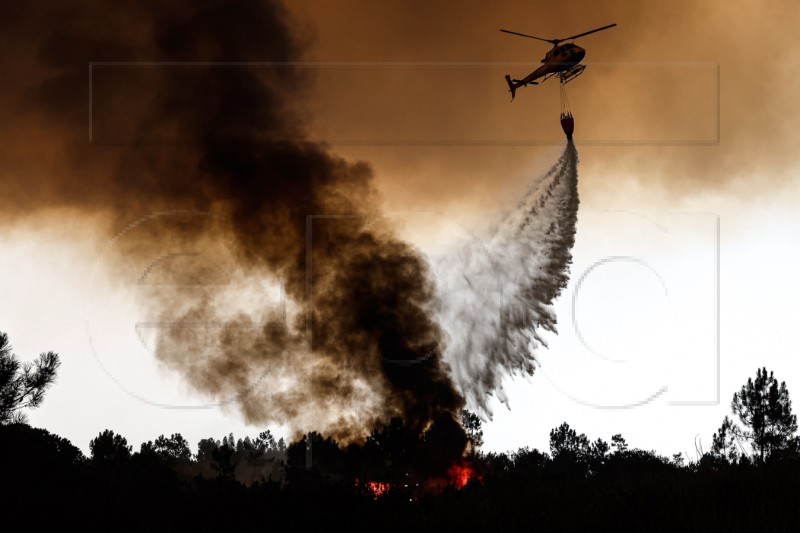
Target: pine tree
<point>764,408</point>
<point>23,385</point>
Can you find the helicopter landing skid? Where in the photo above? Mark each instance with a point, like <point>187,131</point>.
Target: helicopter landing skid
<point>569,75</point>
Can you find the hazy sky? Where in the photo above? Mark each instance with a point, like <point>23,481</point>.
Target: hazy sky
<point>686,135</point>
<point>650,80</point>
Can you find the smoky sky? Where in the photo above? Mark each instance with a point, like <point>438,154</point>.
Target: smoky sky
<point>123,109</point>
<point>654,45</point>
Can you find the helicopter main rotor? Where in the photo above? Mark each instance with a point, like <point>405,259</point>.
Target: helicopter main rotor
<point>556,41</point>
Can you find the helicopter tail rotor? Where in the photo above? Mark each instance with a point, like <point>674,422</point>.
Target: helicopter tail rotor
<point>511,87</point>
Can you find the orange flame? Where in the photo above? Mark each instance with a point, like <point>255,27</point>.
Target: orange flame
<point>461,474</point>
<point>376,488</point>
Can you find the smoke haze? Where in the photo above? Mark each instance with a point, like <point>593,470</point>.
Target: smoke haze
<point>190,117</point>
<point>187,119</point>
<point>637,63</point>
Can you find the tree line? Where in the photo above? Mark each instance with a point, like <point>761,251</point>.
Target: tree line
<point>750,476</point>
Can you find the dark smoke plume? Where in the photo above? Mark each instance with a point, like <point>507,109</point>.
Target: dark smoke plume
<point>179,126</point>
<point>498,301</point>
<point>124,109</point>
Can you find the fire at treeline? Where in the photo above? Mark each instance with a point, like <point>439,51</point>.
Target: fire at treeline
<point>401,476</point>
<point>373,365</point>
<point>746,476</point>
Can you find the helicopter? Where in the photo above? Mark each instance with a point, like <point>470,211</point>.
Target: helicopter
<point>563,60</point>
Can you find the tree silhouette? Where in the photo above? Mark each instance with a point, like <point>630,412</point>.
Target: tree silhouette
<point>23,385</point>
<point>172,449</point>
<point>204,458</point>
<point>570,452</point>
<point>565,442</point>
<point>472,425</point>
<point>109,447</point>
<point>259,459</point>
<point>223,454</point>
<point>725,442</point>
<point>764,408</point>
<point>395,446</point>
<point>618,443</point>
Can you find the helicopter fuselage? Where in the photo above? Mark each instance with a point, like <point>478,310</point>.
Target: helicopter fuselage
<point>559,59</point>
<point>565,54</point>
<point>562,60</point>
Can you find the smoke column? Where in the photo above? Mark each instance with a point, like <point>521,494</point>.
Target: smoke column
<point>115,111</point>
<point>495,294</point>
<point>195,107</point>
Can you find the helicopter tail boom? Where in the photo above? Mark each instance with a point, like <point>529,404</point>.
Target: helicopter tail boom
<point>513,85</point>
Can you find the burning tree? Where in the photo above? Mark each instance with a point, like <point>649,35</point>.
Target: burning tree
<point>396,458</point>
